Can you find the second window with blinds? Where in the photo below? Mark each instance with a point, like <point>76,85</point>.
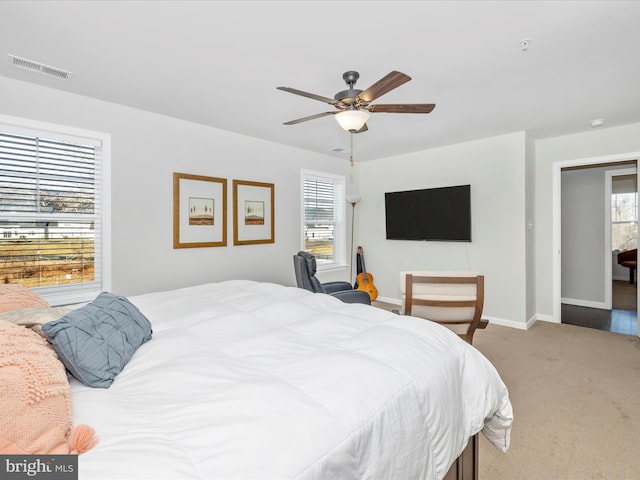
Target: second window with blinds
<point>324,218</point>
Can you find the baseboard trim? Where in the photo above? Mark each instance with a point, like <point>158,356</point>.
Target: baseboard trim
<point>498,321</point>
<point>393,301</point>
<point>544,318</point>
<point>506,323</point>
<point>583,303</point>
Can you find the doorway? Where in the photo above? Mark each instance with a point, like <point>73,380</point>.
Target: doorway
<point>594,266</point>
<point>621,197</point>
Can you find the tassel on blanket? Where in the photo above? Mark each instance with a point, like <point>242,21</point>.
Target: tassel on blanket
<point>83,439</point>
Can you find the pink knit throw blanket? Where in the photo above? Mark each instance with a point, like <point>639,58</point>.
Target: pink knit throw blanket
<point>35,399</point>
<point>13,296</point>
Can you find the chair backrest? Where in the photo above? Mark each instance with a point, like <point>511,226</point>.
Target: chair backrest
<point>304,265</point>
<point>628,256</point>
<point>453,299</point>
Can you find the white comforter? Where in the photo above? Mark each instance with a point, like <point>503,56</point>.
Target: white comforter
<point>246,380</point>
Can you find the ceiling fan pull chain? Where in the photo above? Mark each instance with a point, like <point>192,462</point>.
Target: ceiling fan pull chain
<point>351,134</point>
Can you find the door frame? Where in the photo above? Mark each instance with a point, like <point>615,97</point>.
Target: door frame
<point>557,217</point>
<point>608,261</point>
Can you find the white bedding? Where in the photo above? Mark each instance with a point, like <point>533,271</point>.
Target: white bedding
<point>246,380</point>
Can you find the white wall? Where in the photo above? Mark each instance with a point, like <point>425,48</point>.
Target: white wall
<point>495,168</point>
<point>583,237</point>
<point>595,143</point>
<point>146,150</point>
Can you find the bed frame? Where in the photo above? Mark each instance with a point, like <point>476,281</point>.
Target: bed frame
<point>465,466</point>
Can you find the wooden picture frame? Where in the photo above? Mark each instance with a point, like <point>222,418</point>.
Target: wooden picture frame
<point>199,211</point>
<point>253,212</point>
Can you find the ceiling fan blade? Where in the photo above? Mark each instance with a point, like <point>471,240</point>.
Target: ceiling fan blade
<point>402,108</point>
<point>310,117</point>
<point>384,85</point>
<point>328,100</point>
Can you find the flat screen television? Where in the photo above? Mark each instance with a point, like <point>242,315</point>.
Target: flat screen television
<point>442,214</point>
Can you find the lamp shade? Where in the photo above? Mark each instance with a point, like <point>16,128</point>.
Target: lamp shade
<point>353,198</point>
<point>352,120</point>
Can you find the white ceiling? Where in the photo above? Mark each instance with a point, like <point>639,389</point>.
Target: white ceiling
<point>218,63</point>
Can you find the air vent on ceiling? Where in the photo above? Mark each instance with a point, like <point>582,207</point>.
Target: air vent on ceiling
<point>40,68</point>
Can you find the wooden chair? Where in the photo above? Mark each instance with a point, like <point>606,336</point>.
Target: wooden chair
<point>453,299</point>
<point>629,259</point>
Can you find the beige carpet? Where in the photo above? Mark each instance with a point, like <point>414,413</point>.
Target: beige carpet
<point>576,399</point>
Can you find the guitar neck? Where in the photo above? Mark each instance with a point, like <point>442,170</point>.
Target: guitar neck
<point>364,268</point>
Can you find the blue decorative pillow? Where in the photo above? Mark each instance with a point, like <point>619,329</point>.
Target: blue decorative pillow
<point>96,341</point>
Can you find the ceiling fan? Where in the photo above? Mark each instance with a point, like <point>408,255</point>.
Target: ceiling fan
<point>353,105</point>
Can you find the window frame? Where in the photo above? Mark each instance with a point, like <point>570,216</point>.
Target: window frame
<point>74,293</point>
<point>340,230</point>
<point>633,223</point>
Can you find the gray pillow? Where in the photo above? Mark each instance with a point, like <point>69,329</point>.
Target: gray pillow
<point>96,341</point>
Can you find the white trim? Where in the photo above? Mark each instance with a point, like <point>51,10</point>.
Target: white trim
<point>340,181</point>
<point>608,264</point>
<point>70,298</point>
<point>506,323</point>
<point>584,303</point>
<point>495,320</point>
<point>106,212</point>
<point>103,140</point>
<point>393,301</point>
<point>608,273</point>
<point>543,318</point>
<point>557,220</point>
<point>24,126</point>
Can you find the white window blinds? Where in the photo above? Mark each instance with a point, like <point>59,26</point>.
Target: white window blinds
<point>324,217</point>
<point>624,221</point>
<point>50,210</point>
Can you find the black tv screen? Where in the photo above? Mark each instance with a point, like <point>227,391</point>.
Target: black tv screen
<point>429,214</point>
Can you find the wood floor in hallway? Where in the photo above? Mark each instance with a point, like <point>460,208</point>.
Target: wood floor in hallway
<point>623,318</point>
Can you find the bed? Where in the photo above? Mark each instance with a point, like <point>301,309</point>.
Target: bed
<point>251,380</point>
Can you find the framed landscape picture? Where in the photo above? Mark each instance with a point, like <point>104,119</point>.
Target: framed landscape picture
<point>199,211</point>
<point>253,212</point>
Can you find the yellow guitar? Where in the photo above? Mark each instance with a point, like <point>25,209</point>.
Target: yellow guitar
<point>365,280</point>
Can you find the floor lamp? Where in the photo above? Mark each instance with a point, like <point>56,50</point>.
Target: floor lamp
<point>352,199</point>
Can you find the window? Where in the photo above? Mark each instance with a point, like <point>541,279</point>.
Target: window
<point>324,218</point>
<point>624,221</point>
<point>52,223</point>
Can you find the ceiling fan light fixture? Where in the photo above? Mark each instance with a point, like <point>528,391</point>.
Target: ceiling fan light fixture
<point>352,120</point>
